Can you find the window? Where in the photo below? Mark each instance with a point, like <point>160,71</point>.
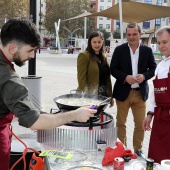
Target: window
<point>117,25</point>
<point>108,18</point>
<point>109,1</point>
<point>92,21</point>
<point>107,26</point>
<point>93,6</point>
<point>101,8</point>
<point>101,0</point>
<point>146,25</point>
<point>147,1</point>
<point>158,23</point>
<point>159,2</point>
<point>100,18</point>
<point>100,26</point>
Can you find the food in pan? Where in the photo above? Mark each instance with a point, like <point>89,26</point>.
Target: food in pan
<point>78,101</point>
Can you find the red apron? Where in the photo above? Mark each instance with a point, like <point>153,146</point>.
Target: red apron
<point>159,147</point>
<point>5,141</point>
<point>5,133</point>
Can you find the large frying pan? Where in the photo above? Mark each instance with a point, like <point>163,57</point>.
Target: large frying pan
<point>62,106</point>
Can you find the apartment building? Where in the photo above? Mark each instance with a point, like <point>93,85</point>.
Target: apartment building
<point>101,22</point>
<point>114,25</point>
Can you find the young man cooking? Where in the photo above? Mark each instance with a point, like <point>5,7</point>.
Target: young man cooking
<point>19,40</point>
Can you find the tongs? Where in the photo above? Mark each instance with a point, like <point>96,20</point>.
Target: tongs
<point>107,101</point>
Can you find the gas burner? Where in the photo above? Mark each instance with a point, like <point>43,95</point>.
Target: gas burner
<point>80,135</point>
<point>83,136</point>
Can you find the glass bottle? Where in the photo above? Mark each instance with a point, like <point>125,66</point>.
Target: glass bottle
<point>149,164</point>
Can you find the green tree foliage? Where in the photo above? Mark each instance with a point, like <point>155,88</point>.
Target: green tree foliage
<point>105,33</point>
<point>13,9</point>
<point>116,34</point>
<point>65,9</point>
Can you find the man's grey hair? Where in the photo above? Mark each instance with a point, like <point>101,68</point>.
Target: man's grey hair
<point>162,29</point>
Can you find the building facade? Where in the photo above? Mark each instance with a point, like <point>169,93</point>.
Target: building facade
<point>101,22</point>
<point>114,25</point>
<point>110,25</point>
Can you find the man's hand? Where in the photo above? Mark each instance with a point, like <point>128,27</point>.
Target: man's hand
<point>83,114</point>
<point>131,79</point>
<point>111,103</point>
<point>140,78</point>
<point>48,121</point>
<point>146,123</point>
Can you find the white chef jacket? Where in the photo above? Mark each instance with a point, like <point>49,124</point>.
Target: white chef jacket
<point>161,72</point>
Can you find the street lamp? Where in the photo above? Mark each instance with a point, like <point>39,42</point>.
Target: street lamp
<point>32,61</point>
<point>40,24</point>
<point>33,82</point>
<point>71,33</point>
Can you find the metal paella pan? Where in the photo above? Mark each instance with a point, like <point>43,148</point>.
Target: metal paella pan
<point>74,101</point>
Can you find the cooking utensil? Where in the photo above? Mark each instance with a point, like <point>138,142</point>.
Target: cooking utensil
<point>104,101</point>
<point>96,107</point>
<point>62,106</point>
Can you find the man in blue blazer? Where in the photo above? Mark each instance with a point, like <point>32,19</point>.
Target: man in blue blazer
<point>132,65</point>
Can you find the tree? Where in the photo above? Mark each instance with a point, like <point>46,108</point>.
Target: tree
<point>105,34</point>
<point>116,35</point>
<point>66,9</point>
<point>13,9</point>
<point>89,31</point>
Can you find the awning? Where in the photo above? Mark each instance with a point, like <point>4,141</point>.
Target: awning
<point>132,12</point>
<point>85,14</point>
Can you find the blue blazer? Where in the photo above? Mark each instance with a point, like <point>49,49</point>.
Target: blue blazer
<point>121,66</point>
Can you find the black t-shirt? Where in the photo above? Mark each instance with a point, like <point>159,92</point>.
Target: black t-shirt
<point>104,72</point>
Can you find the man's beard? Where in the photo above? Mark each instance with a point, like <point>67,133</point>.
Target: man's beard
<point>17,60</point>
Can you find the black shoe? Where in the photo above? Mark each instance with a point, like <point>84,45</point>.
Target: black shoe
<point>139,153</point>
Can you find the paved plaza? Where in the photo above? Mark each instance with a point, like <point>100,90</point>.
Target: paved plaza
<point>58,80</point>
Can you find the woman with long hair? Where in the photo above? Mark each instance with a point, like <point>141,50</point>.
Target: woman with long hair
<point>93,71</point>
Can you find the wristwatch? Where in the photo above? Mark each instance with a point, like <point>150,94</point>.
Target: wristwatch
<point>150,113</point>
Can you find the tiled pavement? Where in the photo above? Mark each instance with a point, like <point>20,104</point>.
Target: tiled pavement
<point>55,83</point>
